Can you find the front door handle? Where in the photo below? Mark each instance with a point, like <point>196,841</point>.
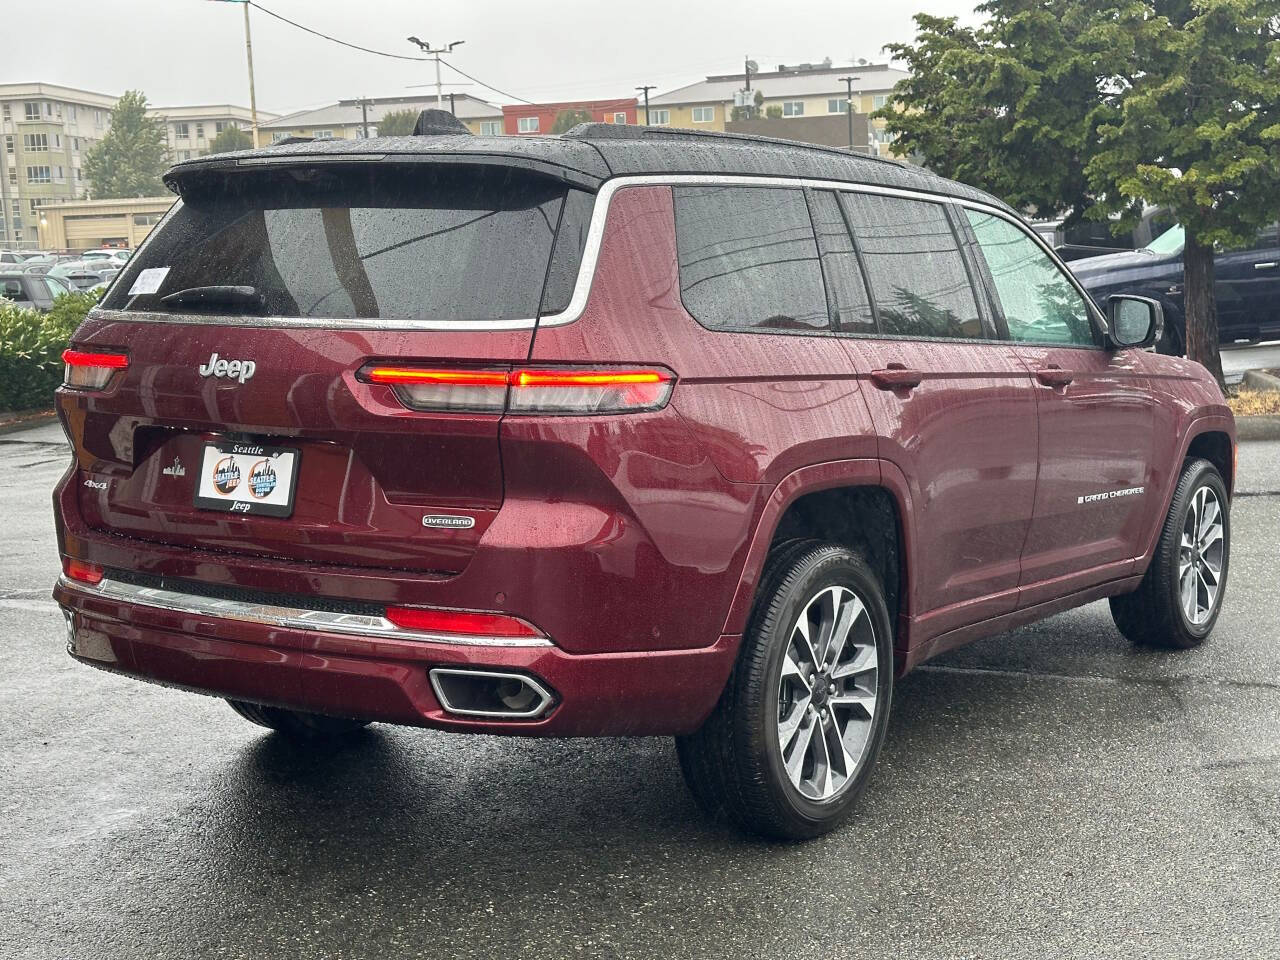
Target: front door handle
<point>1269,265</point>
<point>896,376</point>
<point>1054,376</point>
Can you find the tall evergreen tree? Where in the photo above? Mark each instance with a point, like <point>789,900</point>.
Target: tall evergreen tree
<point>231,138</point>
<point>130,159</point>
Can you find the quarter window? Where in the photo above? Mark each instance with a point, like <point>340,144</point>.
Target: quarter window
<point>1040,305</point>
<point>851,306</point>
<point>914,266</point>
<point>748,258</point>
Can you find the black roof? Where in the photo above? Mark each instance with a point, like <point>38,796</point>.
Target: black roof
<point>589,154</point>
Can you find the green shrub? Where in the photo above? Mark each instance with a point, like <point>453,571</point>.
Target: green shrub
<point>31,345</point>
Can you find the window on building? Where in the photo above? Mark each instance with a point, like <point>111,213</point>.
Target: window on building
<point>145,219</point>
<point>619,118</point>
<point>75,174</point>
<point>35,142</point>
<point>793,108</point>
<point>199,131</point>
<point>527,124</point>
<point>748,258</point>
<point>914,266</point>
<point>659,118</point>
<point>218,127</point>
<point>38,175</point>
<point>838,105</point>
<point>491,128</point>
<point>181,131</point>
<point>75,144</point>
<point>704,114</point>
<point>879,100</point>
<point>8,143</point>
<point>278,135</point>
<point>321,134</point>
<point>72,113</point>
<point>6,115</point>
<point>59,175</point>
<point>97,118</point>
<point>13,176</point>
<point>32,111</point>
<point>1040,305</point>
<point>34,204</point>
<point>57,141</point>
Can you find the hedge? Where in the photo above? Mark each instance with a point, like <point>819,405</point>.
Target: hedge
<point>31,345</point>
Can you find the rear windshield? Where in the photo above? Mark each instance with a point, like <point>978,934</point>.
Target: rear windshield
<point>379,242</point>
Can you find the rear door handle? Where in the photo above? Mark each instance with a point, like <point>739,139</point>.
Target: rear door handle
<point>896,376</point>
<point>1269,265</point>
<point>1054,376</point>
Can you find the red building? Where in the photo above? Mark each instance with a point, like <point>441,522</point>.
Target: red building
<point>533,118</point>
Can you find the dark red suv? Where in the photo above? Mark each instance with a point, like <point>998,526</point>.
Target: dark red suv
<point>625,432</point>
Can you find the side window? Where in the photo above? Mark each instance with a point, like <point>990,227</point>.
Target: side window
<point>1268,238</point>
<point>915,267</point>
<point>748,258</point>
<point>1039,303</point>
<point>852,306</point>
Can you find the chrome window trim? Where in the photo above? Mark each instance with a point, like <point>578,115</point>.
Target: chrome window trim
<point>590,258</point>
<point>293,618</point>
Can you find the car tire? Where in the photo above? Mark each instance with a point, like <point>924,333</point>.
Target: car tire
<point>1176,607</point>
<point>296,724</point>
<point>766,758</point>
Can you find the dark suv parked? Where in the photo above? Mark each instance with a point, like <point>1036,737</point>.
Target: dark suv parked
<point>1246,285</point>
<point>622,432</point>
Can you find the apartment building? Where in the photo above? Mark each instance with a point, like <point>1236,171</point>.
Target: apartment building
<point>801,90</point>
<point>46,130</point>
<point>191,129</point>
<point>540,118</point>
<point>350,119</point>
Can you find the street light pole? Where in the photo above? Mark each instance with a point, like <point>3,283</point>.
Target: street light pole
<point>435,53</point>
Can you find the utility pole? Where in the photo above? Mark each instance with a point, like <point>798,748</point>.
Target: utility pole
<point>364,116</point>
<point>646,90</point>
<point>746,69</point>
<point>435,53</point>
<point>248,50</point>
<point>848,82</point>
<point>453,107</point>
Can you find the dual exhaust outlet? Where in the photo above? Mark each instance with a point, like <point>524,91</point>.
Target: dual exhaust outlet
<point>490,693</point>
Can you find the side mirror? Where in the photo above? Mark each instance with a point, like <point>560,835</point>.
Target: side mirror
<point>1133,321</point>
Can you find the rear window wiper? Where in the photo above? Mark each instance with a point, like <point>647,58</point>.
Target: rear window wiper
<point>219,295</point>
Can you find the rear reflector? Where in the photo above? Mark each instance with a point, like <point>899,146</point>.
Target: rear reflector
<point>460,622</point>
<point>91,371</point>
<point>89,573</point>
<point>567,390</point>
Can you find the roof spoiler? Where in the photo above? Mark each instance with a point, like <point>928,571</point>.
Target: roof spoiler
<point>438,123</point>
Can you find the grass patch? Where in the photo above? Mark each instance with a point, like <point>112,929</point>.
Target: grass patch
<point>1253,403</point>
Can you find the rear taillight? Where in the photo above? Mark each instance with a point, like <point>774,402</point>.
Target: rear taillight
<point>543,390</point>
<point>91,371</point>
<point>461,623</point>
<point>82,572</point>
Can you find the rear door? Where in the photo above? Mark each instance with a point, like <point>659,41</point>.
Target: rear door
<point>954,408</point>
<point>1248,287</point>
<point>312,275</point>
<point>1096,417</point>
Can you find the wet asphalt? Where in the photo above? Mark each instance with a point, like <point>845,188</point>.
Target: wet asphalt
<point>1050,792</point>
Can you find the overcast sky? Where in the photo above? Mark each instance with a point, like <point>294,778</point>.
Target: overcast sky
<point>192,51</point>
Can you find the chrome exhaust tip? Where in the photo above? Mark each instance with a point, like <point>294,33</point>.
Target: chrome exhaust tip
<point>490,693</point>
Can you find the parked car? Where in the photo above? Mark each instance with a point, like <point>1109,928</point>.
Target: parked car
<point>85,274</point>
<point>31,290</point>
<point>1093,238</point>
<point>10,258</point>
<point>623,432</point>
<point>119,257</point>
<point>1246,285</point>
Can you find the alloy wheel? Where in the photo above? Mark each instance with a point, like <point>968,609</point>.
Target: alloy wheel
<point>827,693</point>
<point>1200,556</point>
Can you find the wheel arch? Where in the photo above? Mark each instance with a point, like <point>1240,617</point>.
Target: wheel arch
<point>863,504</point>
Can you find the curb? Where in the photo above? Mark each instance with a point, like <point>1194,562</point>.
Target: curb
<point>25,421</point>
<point>1264,427</point>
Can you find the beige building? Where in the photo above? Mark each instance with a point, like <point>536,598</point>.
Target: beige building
<point>348,119</point>
<point>91,224</point>
<point>190,130</point>
<point>798,91</point>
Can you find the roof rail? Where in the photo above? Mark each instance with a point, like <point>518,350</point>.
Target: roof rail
<point>290,139</point>
<point>626,131</point>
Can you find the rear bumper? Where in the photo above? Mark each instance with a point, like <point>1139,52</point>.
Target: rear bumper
<point>386,679</point>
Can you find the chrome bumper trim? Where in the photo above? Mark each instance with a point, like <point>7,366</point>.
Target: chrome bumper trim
<point>294,618</point>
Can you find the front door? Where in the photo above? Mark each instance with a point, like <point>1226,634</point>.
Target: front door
<point>1096,416</point>
<point>1247,288</point>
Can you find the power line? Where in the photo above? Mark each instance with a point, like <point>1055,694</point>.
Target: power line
<point>353,46</point>
<point>487,86</point>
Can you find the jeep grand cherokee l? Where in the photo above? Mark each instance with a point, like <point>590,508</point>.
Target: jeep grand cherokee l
<point>623,432</point>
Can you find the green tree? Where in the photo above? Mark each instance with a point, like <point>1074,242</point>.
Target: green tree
<point>1197,130</point>
<point>231,138</point>
<point>568,119</point>
<point>130,159</point>
<point>397,123</point>
<point>1097,107</point>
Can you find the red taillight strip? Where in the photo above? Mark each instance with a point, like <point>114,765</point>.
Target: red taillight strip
<point>82,358</point>
<point>586,378</point>
<point>452,378</point>
<point>81,571</point>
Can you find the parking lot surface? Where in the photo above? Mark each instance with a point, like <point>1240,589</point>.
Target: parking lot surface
<point>1050,792</point>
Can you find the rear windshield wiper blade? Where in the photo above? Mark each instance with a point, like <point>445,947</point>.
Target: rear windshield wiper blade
<point>220,295</point>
